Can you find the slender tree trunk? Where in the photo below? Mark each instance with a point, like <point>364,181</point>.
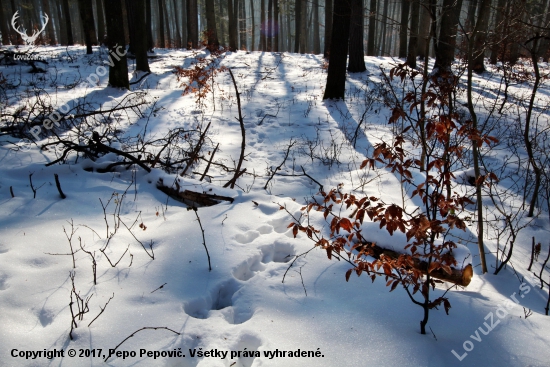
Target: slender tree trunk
<point>413,40</point>
<point>471,19</point>
<point>62,25</point>
<point>405,7</point>
<point>193,23</point>
<point>336,78</point>
<point>498,29</point>
<point>297,28</point>
<point>68,23</point>
<point>475,152</point>
<point>162,39</point>
<point>140,36</point>
<point>328,27</point>
<point>232,26</point>
<point>184,36</point>
<point>288,28</point>
<point>242,27</point>
<point>149,26</point>
<point>372,28</point>
<point>211,24</point>
<point>168,24</point>
<point>177,30</point>
<point>303,26</point>
<point>118,72</point>
<point>482,25</point>
<point>87,18</point>
<point>356,49</point>
<point>49,28</point>
<point>276,25</point>
<point>4,26</point>
<point>101,30</point>
<point>445,52</point>
<point>383,32</point>
<point>253,26</point>
<point>130,16</point>
<point>316,36</point>
<point>423,32</point>
<point>269,28</point>
<point>263,27</point>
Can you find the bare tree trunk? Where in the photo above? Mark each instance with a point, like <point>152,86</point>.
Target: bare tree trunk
<point>413,40</point>
<point>423,32</point>
<point>4,26</point>
<point>276,26</point>
<point>372,28</point>
<point>253,26</point>
<point>498,29</point>
<point>232,26</point>
<point>242,24</point>
<point>49,28</point>
<point>471,17</point>
<point>87,17</point>
<point>269,28</point>
<point>211,24</point>
<point>140,36</point>
<point>149,26</point>
<point>162,39</point>
<point>130,16</point>
<point>177,30</point>
<point>336,78</point>
<point>297,20</point>
<point>288,27</point>
<point>184,36</point>
<point>263,38</point>
<point>328,27</point>
<point>445,52</point>
<point>193,23</point>
<point>62,25</point>
<point>356,50</point>
<point>482,24</point>
<point>168,24</point>
<point>118,72</point>
<point>303,26</point>
<point>405,7</point>
<point>68,23</point>
<point>101,30</point>
<point>316,36</point>
<point>383,34</point>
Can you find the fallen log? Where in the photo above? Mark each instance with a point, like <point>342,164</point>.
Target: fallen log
<point>461,277</point>
<point>192,198</point>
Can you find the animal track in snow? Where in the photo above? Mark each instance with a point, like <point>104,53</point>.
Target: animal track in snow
<point>220,301</point>
<point>46,317</point>
<point>278,252</point>
<point>3,282</point>
<point>247,237</point>
<point>250,343</point>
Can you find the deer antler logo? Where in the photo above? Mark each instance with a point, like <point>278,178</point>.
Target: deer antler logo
<point>29,40</point>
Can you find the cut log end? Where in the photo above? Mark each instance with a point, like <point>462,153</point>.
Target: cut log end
<point>461,277</point>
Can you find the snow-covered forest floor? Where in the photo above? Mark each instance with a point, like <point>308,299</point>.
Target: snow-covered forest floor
<point>148,249</point>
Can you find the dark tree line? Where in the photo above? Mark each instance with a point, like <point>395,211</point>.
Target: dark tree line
<point>408,29</point>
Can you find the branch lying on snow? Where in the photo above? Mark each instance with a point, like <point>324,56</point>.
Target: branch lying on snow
<point>192,198</point>
<point>92,149</point>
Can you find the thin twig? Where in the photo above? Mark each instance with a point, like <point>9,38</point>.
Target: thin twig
<point>162,286</point>
<point>63,196</point>
<point>102,309</point>
<point>112,351</point>
<point>243,131</point>
<point>203,239</point>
